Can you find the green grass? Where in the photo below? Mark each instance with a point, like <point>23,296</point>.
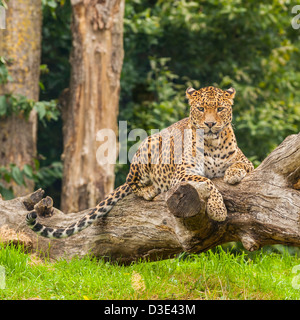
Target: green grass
<point>212,275</point>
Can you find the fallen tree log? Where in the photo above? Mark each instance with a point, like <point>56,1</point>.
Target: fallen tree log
<point>263,209</point>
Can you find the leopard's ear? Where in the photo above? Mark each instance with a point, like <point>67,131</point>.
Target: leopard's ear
<point>230,93</point>
<point>189,92</point>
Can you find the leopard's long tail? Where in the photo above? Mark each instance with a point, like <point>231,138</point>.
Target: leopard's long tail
<point>95,213</point>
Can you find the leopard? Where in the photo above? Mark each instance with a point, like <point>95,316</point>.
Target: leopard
<point>197,148</point>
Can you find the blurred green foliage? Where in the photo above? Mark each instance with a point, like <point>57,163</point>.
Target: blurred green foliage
<point>16,104</point>
<point>4,75</point>
<point>11,103</point>
<point>43,177</point>
<point>3,4</point>
<point>9,174</point>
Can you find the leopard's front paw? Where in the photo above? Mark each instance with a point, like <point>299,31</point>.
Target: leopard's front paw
<point>215,207</point>
<point>234,175</point>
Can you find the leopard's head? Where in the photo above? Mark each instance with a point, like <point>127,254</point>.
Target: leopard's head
<point>210,109</point>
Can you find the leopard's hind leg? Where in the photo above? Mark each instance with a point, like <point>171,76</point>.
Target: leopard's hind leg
<point>140,183</point>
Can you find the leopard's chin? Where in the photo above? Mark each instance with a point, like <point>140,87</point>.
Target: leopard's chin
<point>211,135</point>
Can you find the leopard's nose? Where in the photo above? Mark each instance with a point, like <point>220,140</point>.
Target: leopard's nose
<point>210,124</point>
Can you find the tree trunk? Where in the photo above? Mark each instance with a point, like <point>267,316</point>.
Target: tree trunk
<point>21,42</point>
<point>93,100</point>
<point>263,209</point>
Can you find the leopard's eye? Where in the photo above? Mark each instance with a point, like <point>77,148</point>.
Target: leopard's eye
<point>201,109</point>
<point>220,109</point>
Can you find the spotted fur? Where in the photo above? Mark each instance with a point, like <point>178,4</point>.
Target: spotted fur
<point>187,156</point>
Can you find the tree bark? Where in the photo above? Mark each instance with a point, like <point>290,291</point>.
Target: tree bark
<point>263,209</point>
<point>93,100</point>
<point>21,42</point>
